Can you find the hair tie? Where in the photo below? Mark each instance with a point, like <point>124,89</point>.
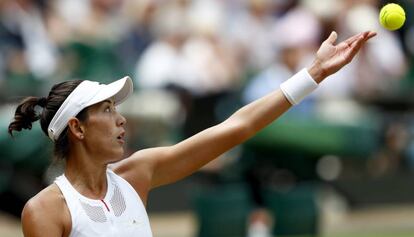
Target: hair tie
<point>42,102</point>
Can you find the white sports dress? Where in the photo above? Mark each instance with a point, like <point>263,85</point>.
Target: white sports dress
<point>120,213</point>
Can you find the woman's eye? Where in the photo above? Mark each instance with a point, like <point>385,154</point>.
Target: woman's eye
<point>108,109</point>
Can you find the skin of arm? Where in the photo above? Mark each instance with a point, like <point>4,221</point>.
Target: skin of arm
<point>46,214</point>
<point>154,167</point>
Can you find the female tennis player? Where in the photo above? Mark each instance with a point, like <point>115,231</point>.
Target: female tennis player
<point>80,117</point>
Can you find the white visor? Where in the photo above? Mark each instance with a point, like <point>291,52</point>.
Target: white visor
<point>87,93</point>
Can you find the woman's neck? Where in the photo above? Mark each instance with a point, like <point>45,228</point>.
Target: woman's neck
<point>86,176</point>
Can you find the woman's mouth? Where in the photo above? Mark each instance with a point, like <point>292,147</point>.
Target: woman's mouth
<point>120,138</point>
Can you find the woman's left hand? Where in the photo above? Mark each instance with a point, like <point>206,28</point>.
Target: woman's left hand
<point>330,58</point>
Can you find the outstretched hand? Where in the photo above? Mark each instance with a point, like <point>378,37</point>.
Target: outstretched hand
<point>330,58</point>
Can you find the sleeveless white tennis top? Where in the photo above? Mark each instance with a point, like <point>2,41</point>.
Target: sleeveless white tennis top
<point>120,213</point>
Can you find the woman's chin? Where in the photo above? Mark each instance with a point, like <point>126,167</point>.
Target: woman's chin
<point>117,157</point>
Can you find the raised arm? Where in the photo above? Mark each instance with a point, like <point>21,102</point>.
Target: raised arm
<point>159,166</point>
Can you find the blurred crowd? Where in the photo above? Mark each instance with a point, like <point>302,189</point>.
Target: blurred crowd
<point>195,61</point>
<point>201,46</point>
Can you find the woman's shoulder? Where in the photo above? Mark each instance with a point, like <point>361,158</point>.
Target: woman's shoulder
<point>46,210</point>
<point>50,197</point>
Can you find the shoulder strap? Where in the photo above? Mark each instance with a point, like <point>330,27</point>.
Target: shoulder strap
<point>70,198</point>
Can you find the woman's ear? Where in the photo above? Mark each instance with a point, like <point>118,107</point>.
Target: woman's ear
<point>75,128</point>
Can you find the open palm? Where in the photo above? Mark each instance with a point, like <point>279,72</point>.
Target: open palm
<point>332,57</point>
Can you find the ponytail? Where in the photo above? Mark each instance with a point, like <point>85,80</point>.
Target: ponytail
<point>26,113</point>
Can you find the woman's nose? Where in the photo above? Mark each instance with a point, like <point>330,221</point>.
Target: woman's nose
<point>121,120</point>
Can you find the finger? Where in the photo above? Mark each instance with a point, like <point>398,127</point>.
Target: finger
<point>332,38</point>
<point>366,36</point>
<point>370,34</point>
<point>352,39</point>
<point>358,40</point>
<point>356,46</point>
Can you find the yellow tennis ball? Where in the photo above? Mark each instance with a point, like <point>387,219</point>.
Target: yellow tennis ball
<point>392,16</point>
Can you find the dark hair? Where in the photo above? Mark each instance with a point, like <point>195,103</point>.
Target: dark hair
<point>26,114</point>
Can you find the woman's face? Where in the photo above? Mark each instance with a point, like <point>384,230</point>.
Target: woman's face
<point>104,132</point>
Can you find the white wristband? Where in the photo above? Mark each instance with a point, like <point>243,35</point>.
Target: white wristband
<point>298,86</point>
